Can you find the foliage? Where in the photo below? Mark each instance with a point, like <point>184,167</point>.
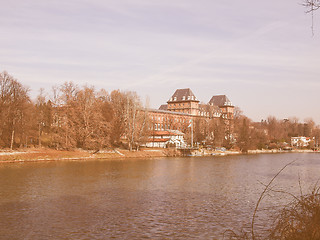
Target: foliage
<point>300,219</point>
<point>81,117</point>
<point>15,111</point>
<point>272,133</point>
<point>72,117</point>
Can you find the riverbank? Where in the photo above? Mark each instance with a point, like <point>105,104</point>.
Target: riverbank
<point>204,152</point>
<point>280,151</point>
<point>44,154</point>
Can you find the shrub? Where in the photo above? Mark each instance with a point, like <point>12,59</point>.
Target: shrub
<point>299,220</point>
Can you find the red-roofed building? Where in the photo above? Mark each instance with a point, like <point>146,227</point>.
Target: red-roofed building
<point>166,138</point>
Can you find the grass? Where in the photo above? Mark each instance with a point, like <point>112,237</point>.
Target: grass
<point>298,220</point>
<point>37,154</point>
<point>41,154</point>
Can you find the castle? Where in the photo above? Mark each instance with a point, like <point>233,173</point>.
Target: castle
<point>183,108</point>
<point>184,101</point>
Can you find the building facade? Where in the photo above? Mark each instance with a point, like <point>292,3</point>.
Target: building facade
<point>162,139</point>
<point>300,141</point>
<point>183,108</point>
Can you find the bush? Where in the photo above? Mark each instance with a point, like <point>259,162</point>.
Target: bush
<point>299,220</point>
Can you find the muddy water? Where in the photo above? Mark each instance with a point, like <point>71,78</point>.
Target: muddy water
<point>168,198</point>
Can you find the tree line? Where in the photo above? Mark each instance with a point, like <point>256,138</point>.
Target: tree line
<point>273,133</point>
<point>244,134</point>
<point>72,117</point>
<point>81,117</point>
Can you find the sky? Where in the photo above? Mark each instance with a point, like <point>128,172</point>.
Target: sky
<point>262,54</point>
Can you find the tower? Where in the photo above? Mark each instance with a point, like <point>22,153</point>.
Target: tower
<point>184,101</point>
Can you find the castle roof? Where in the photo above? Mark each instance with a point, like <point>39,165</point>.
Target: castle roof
<point>220,101</point>
<point>183,95</point>
<point>164,107</point>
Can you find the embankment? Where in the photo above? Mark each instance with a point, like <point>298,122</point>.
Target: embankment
<point>31,155</point>
<point>43,154</point>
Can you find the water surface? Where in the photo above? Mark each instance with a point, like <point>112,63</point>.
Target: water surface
<point>166,198</point>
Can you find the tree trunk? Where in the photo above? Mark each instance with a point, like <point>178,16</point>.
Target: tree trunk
<point>133,127</point>
<point>12,138</point>
<point>39,136</point>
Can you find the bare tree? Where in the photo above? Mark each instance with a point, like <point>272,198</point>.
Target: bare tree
<point>88,120</point>
<point>40,113</point>
<point>117,114</point>
<point>136,119</point>
<point>312,6</point>
<point>201,129</point>
<point>83,117</point>
<point>68,92</point>
<point>219,132</point>
<point>14,102</point>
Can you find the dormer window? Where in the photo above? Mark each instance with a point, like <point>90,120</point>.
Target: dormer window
<point>184,98</point>
<point>191,97</point>
<point>175,99</point>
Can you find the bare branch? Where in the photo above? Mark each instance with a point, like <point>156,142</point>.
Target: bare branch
<point>262,196</point>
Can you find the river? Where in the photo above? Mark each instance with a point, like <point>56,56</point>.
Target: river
<point>165,198</point>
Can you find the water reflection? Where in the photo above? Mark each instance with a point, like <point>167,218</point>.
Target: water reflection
<point>161,198</point>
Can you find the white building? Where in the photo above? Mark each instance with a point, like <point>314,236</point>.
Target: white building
<point>300,141</point>
<point>163,139</point>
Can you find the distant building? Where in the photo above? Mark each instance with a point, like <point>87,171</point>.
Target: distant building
<point>300,141</point>
<point>162,120</point>
<point>184,101</point>
<point>183,108</point>
<point>163,139</point>
<point>224,104</point>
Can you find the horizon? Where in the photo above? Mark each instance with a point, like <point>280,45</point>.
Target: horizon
<point>262,56</point>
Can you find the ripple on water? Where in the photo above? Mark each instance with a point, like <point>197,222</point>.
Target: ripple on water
<point>162,198</point>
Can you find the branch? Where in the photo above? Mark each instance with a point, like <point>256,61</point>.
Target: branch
<point>261,197</point>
